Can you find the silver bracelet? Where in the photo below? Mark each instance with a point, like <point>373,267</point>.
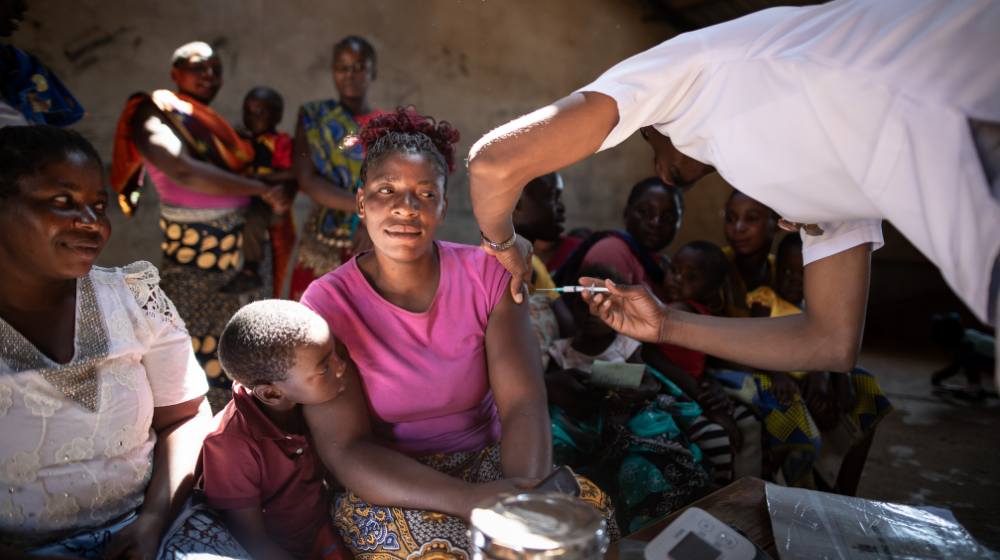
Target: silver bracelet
<point>499,246</point>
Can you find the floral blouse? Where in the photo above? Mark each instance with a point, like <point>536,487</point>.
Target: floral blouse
<point>76,446</point>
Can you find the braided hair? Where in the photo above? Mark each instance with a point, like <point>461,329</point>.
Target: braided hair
<point>406,131</point>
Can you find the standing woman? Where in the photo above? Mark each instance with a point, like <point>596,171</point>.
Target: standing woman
<point>328,164</point>
<point>197,163</point>
<point>102,402</point>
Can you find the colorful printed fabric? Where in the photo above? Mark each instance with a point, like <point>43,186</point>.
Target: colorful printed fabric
<point>201,254</point>
<point>387,533</point>
<point>330,130</point>
<point>273,152</point>
<point>653,263</point>
<point>791,429</point>
<point>205,132</point>
<point>638,454</point>
<point>33,89</point>
<point>202,536</point>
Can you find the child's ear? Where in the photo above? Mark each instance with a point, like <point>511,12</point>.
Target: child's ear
<point>267,393</point>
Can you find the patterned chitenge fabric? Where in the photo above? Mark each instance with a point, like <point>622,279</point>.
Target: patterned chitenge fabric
<point>387,533</point>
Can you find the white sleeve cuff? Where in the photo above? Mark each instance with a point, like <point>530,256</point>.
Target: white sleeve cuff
<point>840,236</point>
<point>625,99</point>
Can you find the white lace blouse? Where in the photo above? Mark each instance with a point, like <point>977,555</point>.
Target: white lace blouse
<point>76,443</point>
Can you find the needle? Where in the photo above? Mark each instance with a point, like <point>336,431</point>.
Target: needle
<point>574,289</point>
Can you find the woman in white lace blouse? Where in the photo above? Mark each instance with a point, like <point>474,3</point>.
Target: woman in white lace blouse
<point>102,402</point>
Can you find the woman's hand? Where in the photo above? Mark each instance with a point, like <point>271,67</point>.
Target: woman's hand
<point>139,540</point>
<point>279,198</point>
<point>784,387</point>
<point>820,399</point>
<point>480,493</point>
<point>517,260</point>
<point>646,390</point>
<point>713,397</point>
<point>569,390</point>
<point>631,310</point>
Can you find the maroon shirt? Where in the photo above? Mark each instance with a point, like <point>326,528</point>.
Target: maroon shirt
<point>248,461</point>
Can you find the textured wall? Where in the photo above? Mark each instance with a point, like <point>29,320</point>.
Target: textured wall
<point>475,63</point>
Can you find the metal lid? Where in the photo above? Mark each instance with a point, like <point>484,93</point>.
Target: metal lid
<point>538,525</point>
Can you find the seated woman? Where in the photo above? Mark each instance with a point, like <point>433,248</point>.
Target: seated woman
<point>102,400</point>
<point>819,425</point>
<point>444,364</point>
<point>652,217</point>
<point>750,229</point>
<point>629,441</point>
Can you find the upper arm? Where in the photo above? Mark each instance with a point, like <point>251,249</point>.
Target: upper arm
<point>165,417</point>
<point>302,160</point>
<point>514,361</point>
<point>548,139</point>
<point>338,423</point>
<point>155,137</point>
<point>836,295</point>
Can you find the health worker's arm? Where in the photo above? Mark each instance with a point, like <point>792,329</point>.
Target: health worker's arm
<point>502,162</point>
<point>826,337</point>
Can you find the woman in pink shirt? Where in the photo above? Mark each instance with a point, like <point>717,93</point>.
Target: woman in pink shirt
<point>444,363</point>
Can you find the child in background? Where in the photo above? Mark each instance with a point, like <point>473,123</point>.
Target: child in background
<point>262,111</point>
<point>258,466</point>
<point>819,425</point>
<point>975,352</point>
<point>727,433</point>
<point>628,441</point>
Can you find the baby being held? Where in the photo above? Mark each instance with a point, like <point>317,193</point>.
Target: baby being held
<point>258,467</point>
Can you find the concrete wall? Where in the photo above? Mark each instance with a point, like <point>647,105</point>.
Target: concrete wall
<point>474,63</point>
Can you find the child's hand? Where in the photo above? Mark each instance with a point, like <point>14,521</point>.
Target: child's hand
<point>713,396</point>
<point>820,400</point>
<point>646,390</point>
<point>784,387</point>
<point>847,396</point>
<point>279,199</point>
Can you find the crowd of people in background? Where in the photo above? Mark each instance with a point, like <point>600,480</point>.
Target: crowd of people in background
<point>367,420</point>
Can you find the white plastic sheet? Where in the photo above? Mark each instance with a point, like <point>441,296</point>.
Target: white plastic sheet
<point>812,525</point>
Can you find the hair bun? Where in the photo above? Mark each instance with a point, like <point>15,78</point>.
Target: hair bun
<point>408,120</point>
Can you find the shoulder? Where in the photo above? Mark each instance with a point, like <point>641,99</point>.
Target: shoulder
<point>143,282</point>
<point>326,291</point>
<point>229,431</point>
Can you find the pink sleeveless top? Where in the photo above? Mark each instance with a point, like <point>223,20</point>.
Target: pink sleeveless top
<point>424,374</point>
<point>172,193</point>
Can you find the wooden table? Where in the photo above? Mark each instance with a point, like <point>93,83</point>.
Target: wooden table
<point>742,503</point>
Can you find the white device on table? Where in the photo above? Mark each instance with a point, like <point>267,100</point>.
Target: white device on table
<point>696,535</point>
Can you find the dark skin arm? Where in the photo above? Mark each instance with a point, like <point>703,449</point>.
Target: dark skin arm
<point>313,184</point>
<point>569,390</point>
<point>341,430</point>
<point>515,373</point>
<point>826,337</point>
<point>323,191</point>
<point>180,430</point>
<point>247,525</point>
<point>158,141</point>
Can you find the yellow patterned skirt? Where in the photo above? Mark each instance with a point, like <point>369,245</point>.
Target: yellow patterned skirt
<point>390,533</point>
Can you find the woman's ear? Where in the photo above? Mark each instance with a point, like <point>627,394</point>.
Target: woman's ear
<point>444,211</point>
<point>267,393</point>
<point>174,72</point>
<point>361,203</point>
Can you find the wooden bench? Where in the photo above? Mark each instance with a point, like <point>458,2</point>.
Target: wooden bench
<point>742,503</point>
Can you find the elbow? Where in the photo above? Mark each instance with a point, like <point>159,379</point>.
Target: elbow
<point>842,354</point>
<point>485,168</point>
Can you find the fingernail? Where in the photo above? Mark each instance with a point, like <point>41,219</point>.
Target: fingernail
<point>518,298</point>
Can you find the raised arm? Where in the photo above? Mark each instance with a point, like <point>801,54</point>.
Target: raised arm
<point>826,337</point>
<point>312,183</point>
<point>160,144</point>
<point>503,161</point>
<point>341,430</point>
<point>514,363</point>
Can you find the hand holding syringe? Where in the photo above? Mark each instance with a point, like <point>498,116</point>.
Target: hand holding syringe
<point>574,289</point>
